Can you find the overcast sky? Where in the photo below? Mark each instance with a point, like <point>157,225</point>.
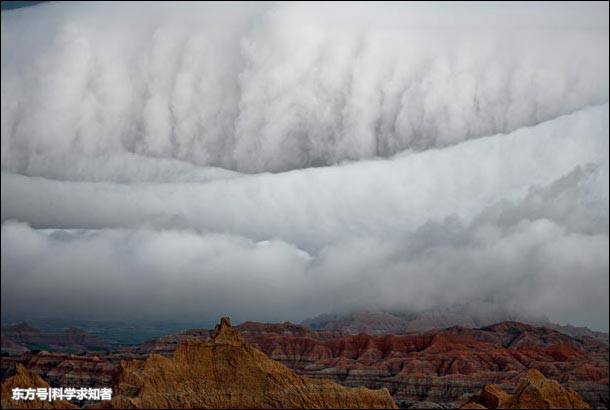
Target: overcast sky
<point>278,161</point>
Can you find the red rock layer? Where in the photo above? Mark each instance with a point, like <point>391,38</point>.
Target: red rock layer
<point>445,366</point>
<point>441,366</point>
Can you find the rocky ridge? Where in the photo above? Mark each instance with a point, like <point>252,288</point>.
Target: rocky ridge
<point>229,373</point>
<point>378,322</point>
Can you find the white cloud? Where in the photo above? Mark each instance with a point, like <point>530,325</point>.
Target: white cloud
<point>520,219</point>
<point>277,87</point>
<point>125,133</point>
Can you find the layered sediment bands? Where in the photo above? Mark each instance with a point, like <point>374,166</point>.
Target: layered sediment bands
<point>533,392</point>
<point>444,367</point>
<point>229,373</point>
<point>78,371</point>
<point>441,366</point>
<point>63,369</point>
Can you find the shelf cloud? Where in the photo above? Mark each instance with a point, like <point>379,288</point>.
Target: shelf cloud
<point>278,161</point>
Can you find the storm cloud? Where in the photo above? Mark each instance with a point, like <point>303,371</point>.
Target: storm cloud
<point>278,161</point>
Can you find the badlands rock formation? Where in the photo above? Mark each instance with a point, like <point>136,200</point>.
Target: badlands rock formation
<point>534,392</point>
<point>25,379</point>
<point>229,373</point>
<point>442,367</point>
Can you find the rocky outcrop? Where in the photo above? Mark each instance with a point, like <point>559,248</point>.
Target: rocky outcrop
<point>229,373</point>
<point>533,392</point>
<point>26,379</point>
<point>492,396</point>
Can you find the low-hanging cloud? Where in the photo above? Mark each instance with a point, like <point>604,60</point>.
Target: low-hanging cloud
<point>530,265</point>
<point>415,232</point>
<point>191,160</point>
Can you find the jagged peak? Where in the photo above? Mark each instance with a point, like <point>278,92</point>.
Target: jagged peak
<point>227,375</point>
<point>21,370</point>
<point>223,333</point>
